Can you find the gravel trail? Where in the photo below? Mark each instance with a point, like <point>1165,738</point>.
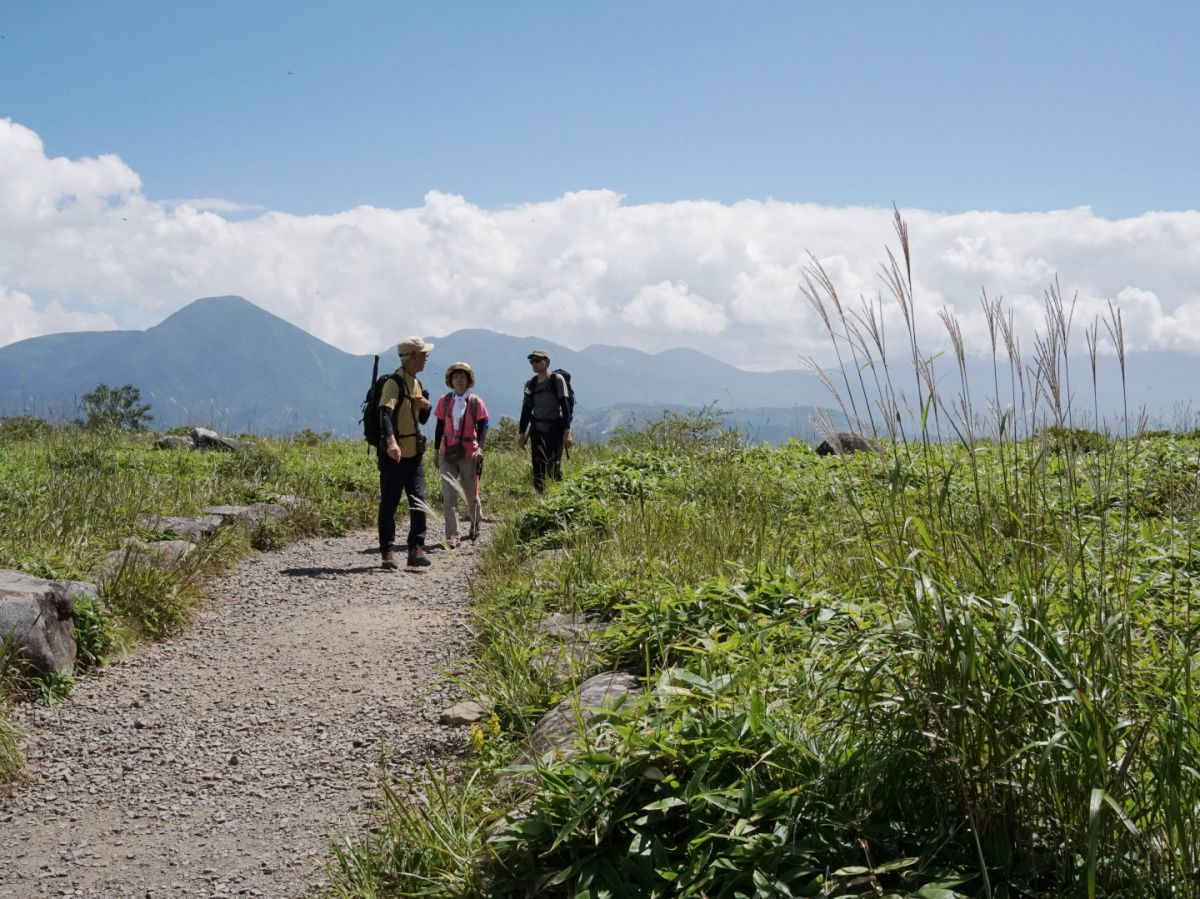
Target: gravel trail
<point>219,764</point>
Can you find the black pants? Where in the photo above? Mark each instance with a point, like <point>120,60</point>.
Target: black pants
<point>546,448</point>
<point>395,478</point>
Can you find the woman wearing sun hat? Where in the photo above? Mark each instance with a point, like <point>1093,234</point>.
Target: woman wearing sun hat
<point>462,421</point>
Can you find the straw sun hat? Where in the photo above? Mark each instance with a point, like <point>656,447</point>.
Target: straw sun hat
<point>463,367</point>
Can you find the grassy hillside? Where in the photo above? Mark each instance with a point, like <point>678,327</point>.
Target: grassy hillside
<point>961,666</point>
<point>933,672</point>
<point>69,497</point>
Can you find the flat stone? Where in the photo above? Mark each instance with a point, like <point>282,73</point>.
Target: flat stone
<point>191,529</point>
<point>231,514</point>
<point>559,729</point>
<point>162,553</point>
<point>259,513</point>
<point>462,714</point>
<point>562,663</point>
<point>570,626</point>
<point>174,441</point>
<point>274,513</point>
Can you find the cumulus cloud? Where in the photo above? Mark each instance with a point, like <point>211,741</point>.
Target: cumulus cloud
<point>667,306</point>
<point>81,246</point>
<point>22,319</point>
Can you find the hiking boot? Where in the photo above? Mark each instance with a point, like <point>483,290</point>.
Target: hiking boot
<point>389,560</point>
<point>473,534</point>
<point>417,557</point>
<point>452,541</point>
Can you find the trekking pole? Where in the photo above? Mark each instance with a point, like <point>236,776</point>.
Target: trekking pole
<point>374,400</point>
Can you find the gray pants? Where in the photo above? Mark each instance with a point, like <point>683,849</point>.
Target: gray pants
<point>462,475</point>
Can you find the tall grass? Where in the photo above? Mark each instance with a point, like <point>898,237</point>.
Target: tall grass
<point>11,760</point>
<point>960,666</point>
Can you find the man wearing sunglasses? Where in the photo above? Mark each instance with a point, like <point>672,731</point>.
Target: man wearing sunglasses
<point>545,419</point>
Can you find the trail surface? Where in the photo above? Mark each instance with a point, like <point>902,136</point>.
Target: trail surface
<point>219,764</point>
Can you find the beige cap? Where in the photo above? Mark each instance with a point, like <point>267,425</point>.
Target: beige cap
<point>412,345</point>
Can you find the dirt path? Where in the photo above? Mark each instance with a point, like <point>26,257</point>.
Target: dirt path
<point>218,764</point>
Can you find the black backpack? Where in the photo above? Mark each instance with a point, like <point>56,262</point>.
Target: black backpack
<point>566,376</point>
<point>372,426</point>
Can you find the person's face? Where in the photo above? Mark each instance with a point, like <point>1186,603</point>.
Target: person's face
<point>459,381</point>
<point>538,363</point>
<point>416,362</point>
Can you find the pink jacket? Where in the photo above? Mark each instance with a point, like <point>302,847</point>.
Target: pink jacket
<point>476,412</point>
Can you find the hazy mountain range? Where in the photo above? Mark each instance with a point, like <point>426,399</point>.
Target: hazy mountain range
<point>224,362</point>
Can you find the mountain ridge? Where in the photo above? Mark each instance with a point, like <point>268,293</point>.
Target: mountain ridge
<point>226,362</point>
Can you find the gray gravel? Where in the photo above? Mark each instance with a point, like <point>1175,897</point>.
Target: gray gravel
<point>219,764</point>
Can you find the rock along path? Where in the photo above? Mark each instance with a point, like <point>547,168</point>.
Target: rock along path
<point>220,763</point>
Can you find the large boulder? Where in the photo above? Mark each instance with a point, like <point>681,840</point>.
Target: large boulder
<point>844,442</point>
<point>174,441</point>
<point>206,439</point>
<point>37,619</point>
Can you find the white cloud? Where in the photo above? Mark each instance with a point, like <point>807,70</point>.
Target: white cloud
<point>672,307</point>
<point>22,318</point>
<point>82,247</point>
<point>216,204</point>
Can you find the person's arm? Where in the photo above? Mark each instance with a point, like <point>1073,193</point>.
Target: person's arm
<point>526,416</point>
<point>420,401</point>
<point>389,397</point>
<point>564,403</point>
<point>439,433</point>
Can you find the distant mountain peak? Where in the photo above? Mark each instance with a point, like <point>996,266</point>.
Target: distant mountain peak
<point>209,307</point>
<point>225,316</point>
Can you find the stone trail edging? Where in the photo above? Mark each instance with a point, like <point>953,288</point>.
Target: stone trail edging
<point>37,615</point>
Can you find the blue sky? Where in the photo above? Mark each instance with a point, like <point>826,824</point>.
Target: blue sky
<point>646,174</point>
<point>945,106</point>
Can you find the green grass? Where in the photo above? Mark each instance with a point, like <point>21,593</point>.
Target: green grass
<point>70,496</point>
<point>882,669</point>
<point>11,760</point>
<point>964,666</point>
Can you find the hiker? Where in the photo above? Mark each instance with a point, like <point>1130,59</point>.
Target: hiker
<point>546,416</point>
<point>462,422</point>
<point>403,407</point>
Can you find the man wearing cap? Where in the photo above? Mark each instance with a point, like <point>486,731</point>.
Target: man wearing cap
<point>546,416</point>
<point>403,407</point>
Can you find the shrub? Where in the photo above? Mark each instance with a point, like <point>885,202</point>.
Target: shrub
<point>309,437</point>
<point>504,435</point>
<point>22,427</point>
<point>155,602</point>
<point>95,636</point>
<point>119,408</point>
<point>1074,440</point>
<point>689,429</point>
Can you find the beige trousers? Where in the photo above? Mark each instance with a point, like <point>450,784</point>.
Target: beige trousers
<point>460,480</point>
